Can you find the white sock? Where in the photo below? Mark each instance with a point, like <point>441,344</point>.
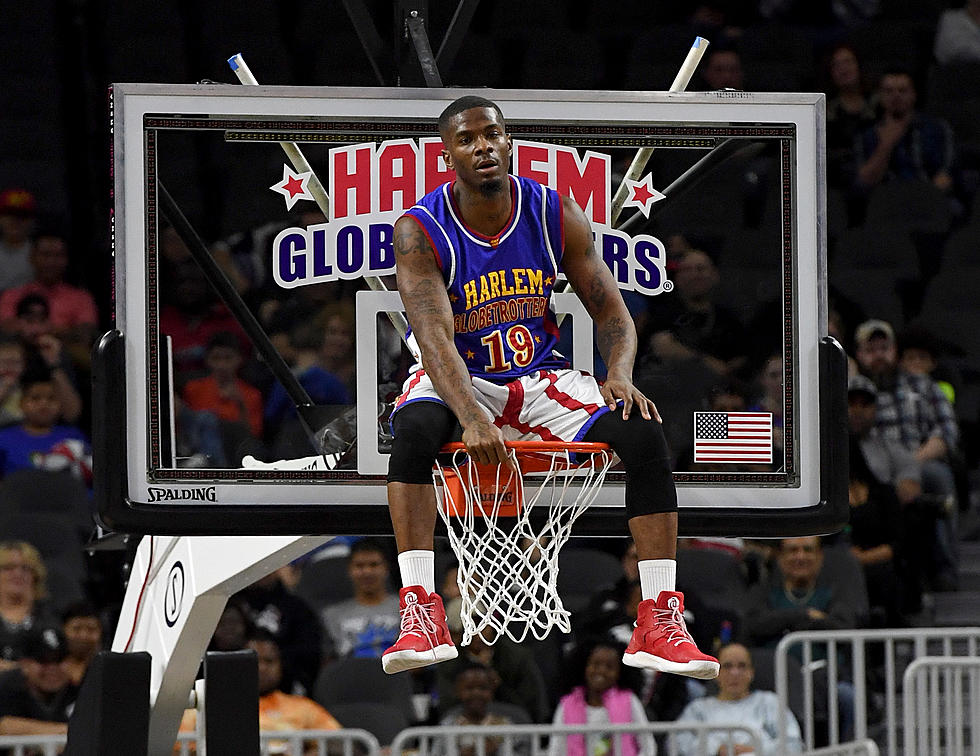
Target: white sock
<point>418,567</point>
<point>656,575</point>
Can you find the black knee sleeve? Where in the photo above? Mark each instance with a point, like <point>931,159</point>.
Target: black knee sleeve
<point>420,429</point>
<point>646,460</point>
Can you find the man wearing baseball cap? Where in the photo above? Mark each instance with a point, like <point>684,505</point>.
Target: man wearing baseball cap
<point>914,411</point>
<point>17,212</point>
<point>37,697</point>
<point>909,408</point>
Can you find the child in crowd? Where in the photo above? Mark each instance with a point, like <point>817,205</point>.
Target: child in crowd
<point>221,391</point>
<point>604,692</point>
<point>38,441</point>
<point>475,685</point>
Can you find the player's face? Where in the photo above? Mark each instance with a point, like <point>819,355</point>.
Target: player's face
<point>478,148</point>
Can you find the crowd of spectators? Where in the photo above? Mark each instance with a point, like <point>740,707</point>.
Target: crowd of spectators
<point>913,439</point>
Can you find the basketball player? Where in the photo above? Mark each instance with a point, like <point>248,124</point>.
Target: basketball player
<point>476,261</point>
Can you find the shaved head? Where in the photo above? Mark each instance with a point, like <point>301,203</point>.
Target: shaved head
<point>461,104</point>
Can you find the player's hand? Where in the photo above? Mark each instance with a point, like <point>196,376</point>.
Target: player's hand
<point>617,389</point>
<point>485,443</point>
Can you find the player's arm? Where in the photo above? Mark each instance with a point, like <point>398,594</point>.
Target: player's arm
<point>423,293</point>
<point>615,332</point>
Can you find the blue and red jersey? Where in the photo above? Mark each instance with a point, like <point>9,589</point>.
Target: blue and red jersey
<point>500,287</point>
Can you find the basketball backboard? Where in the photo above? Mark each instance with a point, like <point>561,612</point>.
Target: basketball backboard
<point>738,175</point>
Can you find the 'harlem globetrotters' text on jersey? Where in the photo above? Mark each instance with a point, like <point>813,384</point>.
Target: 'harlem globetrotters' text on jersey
<point>499,287</point>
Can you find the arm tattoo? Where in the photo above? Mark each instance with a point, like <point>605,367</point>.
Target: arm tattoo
<point>407,242</point>
<point>596,294</point>
<point>613,334</point>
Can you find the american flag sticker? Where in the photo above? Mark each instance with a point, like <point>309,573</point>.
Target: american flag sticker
<point>733,437</point>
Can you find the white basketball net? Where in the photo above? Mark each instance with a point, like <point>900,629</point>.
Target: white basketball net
<point>508,573</point>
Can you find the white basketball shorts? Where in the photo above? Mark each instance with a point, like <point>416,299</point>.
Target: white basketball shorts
<point>547,405</point>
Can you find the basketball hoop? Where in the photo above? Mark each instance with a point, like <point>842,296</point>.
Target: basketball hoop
<point>508,571</point>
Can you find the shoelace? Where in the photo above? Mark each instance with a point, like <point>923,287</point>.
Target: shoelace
<point>416,619</point>
<point>674,626</point>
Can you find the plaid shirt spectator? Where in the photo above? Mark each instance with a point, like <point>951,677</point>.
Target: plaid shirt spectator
<point>915,410</point>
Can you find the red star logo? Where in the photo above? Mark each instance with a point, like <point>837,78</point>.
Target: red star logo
<point>293,186</point>
<point>642,194</point>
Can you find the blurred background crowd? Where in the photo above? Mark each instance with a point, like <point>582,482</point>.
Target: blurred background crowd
<point>902,81</point>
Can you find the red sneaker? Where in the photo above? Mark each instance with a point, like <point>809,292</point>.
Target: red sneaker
<point>424,638</point>
<point>661,641</point>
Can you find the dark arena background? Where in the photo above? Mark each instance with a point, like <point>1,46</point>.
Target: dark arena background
<point>887,663</point>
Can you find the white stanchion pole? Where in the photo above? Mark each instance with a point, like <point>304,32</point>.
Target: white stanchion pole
<point>642,156</point>
<point>300,163</point>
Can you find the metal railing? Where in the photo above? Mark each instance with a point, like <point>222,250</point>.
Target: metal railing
<point>532,740</point>
<point>866,747</point>
<point>346,742</point>
<point>941,701</point>
<point>829,657</point>
<point>28,745</point>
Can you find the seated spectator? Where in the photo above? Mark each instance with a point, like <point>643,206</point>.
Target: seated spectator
<point>233,629</point>
<point>958,35</point>
<point>850,112</point>
<point>13,362</point>
<point>72,311</point>
<point>520,679</point>
<point>337,352</point>
<point>475,686</point>
<point>18,210</point>
<point>278,711</point>
<point>38,441</point>
<point>771,398</point>
<point>796,597</point>
<point>37,697</point>
<point>368,623</point>
<point>688,325</point>
<point>41,349</point>
<point>293,625</point>
<point>910,408</point>
<point>190,317</point>
<point>601,690</point>
<point>612,614</point>
<point>801,596</point>
<point>875,535</point>
<point>722,68</point>
<point>221,391</point>
<point>306,343</point>
<point>82,628</point>
<point>737,704</point>
<point>920,352</point>
<point>904,143</point>
<point>23,594</point>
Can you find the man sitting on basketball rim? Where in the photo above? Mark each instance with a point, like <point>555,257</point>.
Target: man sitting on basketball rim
<point>490,238</point>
